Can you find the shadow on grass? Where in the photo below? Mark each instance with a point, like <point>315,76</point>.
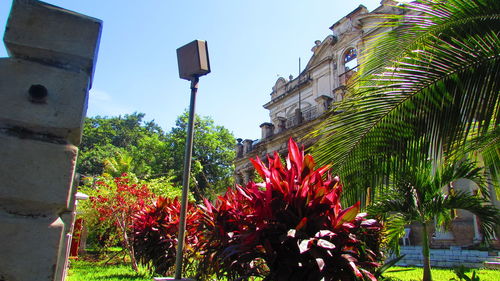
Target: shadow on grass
<point>120,277</point>
<point>400,270</point>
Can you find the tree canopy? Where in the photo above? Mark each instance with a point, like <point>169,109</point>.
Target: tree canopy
<point>121,139</point>
<point>213,154</point>
<point>114,145</point>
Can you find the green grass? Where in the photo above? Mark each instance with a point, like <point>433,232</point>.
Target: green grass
<point>438,274</point>
<point>85,270</point>
<point>89,271</point>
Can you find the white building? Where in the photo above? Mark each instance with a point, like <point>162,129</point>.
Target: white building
<point>297,104</point>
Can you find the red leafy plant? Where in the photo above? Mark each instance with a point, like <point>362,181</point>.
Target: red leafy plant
<point>117,200</point>
<point>290,227</point>
<point>155,231</point>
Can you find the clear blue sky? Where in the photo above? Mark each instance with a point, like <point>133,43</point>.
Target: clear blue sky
<point>250,44</point>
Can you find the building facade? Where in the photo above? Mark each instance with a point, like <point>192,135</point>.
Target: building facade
<point>298,104</point>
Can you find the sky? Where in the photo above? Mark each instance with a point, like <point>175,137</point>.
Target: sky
<point>250,44</point>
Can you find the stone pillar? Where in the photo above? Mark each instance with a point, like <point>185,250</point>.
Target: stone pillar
<point>442,236</point>
<point>238,178</point>
<point>323,103</point>
<point>43,100</point>
<point>247,176</point>
<point>267,130</point>
<point>247,146</point>
<point>298,117</point>
<point>281,125</point>
<point>475,223</point>
<point>239,148</point>
<point>338,95</point>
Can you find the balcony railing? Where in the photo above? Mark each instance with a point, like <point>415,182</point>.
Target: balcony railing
<point>345,77</point>
<point>308,114</point>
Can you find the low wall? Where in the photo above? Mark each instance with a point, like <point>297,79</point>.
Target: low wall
<point>452,257</point>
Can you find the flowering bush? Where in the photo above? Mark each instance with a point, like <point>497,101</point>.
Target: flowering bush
<point>155,232</point>
<point>290,227</point>
<point>115,201</point>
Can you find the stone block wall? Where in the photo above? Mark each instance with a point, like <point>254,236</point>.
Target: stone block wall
<point>44,88</point>
<point>450,257</point>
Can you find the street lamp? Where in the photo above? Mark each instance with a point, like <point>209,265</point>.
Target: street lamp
<point>193,62</point>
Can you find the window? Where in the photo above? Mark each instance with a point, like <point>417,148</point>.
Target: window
<point>350,59</point>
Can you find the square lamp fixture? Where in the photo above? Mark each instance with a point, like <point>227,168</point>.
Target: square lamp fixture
<point>193,60</point>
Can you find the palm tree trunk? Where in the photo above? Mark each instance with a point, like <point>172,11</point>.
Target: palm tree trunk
<point>426,254</point>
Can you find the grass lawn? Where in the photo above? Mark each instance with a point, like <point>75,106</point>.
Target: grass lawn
<point>90,270</point>
<point>438,274</point>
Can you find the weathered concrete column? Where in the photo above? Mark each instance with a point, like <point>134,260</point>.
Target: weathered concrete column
<point>267,130</point>
<point>238,178</point>
<point>323,103</point>
<point>247,176</point>
<point>281,121</point>
<point>247,146</point>
<point>43,99</point>
<point>298,118</point>
<point>239,148</point>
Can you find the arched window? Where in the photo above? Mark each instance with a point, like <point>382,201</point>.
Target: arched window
<point>350,59</point>
<point>350,66</point>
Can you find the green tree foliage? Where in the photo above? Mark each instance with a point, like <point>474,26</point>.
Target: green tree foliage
<point>128,144</point>
<point>123,144</point>
<point>429,86</point>
<point>417,196</point>
<point>213,155</point>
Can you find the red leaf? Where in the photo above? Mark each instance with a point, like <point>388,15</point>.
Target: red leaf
<point>242,192</point>
<point>323,233</point>
<point>369,275</point>
<point>325,244</point>
<point>207,205</point>
<point>277,163</point>
<point>348,214</point>
<point>321,263</point>
<point>305,245</point>
<point>301,224</point>
<point>275,180</point>
<point>295,155</point>
<point>323,169</point>
<point>308,164</point>
<point>369,223</point>
<point>355,269</point>
<point>260,168</point>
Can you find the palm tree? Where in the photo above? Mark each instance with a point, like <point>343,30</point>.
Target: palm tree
<point>122,162</point>
<point>416,196</point>
<point>428,87</point>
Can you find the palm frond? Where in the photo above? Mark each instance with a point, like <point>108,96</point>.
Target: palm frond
<point>426,87</point>
<point>488,214</point>
<point>394,230</point>
<point>485,150</point>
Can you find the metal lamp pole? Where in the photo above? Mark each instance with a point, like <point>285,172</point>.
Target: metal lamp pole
<point>185,179</point>
<point>193,62</point>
